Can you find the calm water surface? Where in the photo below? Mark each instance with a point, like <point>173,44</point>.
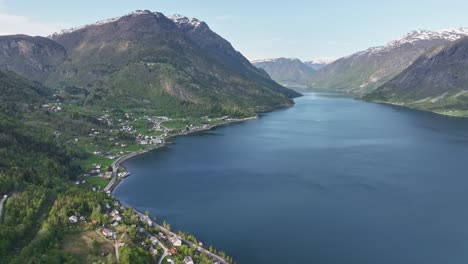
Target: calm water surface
<point>331,180</point>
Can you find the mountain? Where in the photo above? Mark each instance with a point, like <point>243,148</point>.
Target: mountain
<point>16,91</point>
<point>289,72</point>
<point>320,62</point>
<point>437,81</point>
<point>33,57</point>
<point>364,71</point>
<point>174,65</point>
<point>168,62</point>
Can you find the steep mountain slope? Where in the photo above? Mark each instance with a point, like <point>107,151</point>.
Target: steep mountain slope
<point>437,81</point>
<point>33,57</point>
<point>365,71</point>
<point>289,72</point>
<point>16,91</point>
<point>146,57</point>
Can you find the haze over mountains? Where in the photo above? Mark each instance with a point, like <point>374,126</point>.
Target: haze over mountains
<point>289,72</point>
<point>292,72</point>
<point>423,69</point>
<point>145,58</point>
<point>177,63</point>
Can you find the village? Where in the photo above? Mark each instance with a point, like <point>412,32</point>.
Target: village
<point>118,220</point>
<point>116,138</point>
<point>126,134</point>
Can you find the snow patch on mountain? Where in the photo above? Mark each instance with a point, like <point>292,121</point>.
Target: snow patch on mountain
<point>449,34</point>
<point>179,20</point>
<point>107,21</point>
<point>183,21</point>
<point>321,60</point>
<point>274,60</point>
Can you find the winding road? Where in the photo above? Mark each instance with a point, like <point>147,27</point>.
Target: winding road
<point>190,243</point>
<point>1,205</point>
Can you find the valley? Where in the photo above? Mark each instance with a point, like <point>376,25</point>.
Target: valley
<point>150,138</point>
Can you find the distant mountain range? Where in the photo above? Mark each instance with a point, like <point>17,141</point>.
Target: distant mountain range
<point>365,71</point>
<point>175,65</point>
<point>291,72</point>
<point>436,81</point>
<point>424,70</point>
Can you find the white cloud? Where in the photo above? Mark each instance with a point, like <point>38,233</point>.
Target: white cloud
<point>14,24</point>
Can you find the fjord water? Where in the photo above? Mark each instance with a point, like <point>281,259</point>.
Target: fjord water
<point>331,180</point>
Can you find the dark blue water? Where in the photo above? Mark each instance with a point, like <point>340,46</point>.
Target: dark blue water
<point>331,180</point>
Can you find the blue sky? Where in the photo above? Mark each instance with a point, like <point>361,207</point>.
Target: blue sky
<point>259,29</point>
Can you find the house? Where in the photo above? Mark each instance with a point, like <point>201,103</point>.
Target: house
<point>73,219</point>
<point>82,219</point>
<point>175,241</point>
<point>153,251</point>
<point>173,250</point>
<point>188,260</point>
<point>117,218</point>
<point>115,223</point>
<point>108,175</point>
<point>155,141</point>
<point>107,232</point>
<point>154,241</point>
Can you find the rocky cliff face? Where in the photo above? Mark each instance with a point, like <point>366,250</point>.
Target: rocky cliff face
<point>34,57</point>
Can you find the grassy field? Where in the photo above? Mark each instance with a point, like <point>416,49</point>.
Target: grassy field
<point>97,181</point>
<point>175,124</point>
<point>95,159</point>
<point>81,244</point>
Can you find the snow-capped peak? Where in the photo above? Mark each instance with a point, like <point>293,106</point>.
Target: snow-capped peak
<point>274,60</point>
<point>449,34</point>
<point>107,21</point>
<point>321,60</point>
<point>183,20</point>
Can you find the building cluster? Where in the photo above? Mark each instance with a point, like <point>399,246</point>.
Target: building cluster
<point>149,140</point>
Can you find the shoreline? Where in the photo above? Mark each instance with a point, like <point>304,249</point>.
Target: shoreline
<point>115,181</point>
<point>416,109</point>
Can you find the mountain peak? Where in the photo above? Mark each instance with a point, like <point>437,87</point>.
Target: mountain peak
<point>448,34</point>
<point>185,21</point>
<point>107,21</point>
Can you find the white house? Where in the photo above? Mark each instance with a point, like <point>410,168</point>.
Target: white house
<point>175,241</point>
<point>154,241</point>
<point>73,219</point>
